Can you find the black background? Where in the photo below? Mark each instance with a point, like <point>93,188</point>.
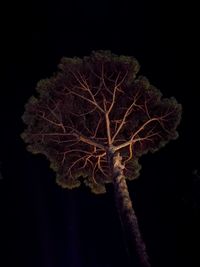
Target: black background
<point>45,225</point>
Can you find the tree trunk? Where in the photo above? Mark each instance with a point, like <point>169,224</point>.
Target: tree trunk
<point>127,213</point>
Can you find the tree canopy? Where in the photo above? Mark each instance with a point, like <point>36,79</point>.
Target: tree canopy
<point>90,106</point>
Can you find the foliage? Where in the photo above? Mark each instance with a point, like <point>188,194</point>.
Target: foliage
<point>93,105</point>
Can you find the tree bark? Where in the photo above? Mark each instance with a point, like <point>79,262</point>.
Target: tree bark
<point>126,212</point>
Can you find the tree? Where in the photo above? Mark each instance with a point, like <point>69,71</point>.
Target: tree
<point>93,120</point>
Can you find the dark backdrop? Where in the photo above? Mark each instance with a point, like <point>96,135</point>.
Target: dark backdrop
<point>46,226</point>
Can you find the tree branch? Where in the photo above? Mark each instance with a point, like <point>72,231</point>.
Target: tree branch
<point>90,142</point>
<point>132,140</point>
<point>88,100</point>
<point>85,87</point>
<point>123,121</point>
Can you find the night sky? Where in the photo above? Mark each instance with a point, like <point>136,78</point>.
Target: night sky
<point>43,225</point>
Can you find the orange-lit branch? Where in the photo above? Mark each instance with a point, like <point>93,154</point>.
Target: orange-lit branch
<point>99,163</point>
<point>123,121</point>
<point>60,124</point>
<point>103,79</point>
<point>116,87</point>
<point>90,142</point>
<point>132,140</point>
<point>70,169</point>
<point>139,139</point>
<point>97,128</point>
<point>85,87</point>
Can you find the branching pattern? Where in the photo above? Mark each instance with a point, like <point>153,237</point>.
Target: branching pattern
<point>93,105</point>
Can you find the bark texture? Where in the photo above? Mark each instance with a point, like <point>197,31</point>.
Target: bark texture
<point>127,213</point>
